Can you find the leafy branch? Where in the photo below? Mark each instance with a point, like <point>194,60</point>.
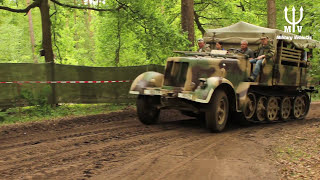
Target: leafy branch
<point>37,3</point>
<point>87,8</point>
<point>25,10</point>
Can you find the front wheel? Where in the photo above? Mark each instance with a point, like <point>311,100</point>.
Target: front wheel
<point>147,110</point>
<point>218,111</point>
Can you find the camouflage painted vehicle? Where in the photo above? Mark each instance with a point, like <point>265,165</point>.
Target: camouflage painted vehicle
<point>214,85</point>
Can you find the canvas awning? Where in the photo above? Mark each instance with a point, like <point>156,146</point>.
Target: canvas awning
<point>252,33</point>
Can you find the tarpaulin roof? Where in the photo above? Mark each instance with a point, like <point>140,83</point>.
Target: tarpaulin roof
<point>252,33</point>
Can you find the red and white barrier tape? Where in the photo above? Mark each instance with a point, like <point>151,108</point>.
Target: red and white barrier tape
<point>62,82</point>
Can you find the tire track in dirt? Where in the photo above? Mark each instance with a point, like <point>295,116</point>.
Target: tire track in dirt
<point>62,125</point>
<point>160,164</point>
<point>89,143</point>
<point>164,151</point>
<point>118,146</point>
<point>130,142</point>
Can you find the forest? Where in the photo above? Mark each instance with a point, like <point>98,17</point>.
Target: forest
<point>126,32</point>
<point>97,47</point>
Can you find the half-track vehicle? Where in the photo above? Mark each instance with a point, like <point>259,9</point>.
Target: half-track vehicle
<point>214,85</point>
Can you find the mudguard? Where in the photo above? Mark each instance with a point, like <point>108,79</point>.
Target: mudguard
<point>144,80</point>
<point>204,95</point>
<point>242,92</point>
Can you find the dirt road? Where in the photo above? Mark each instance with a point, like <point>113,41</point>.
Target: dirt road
<point>117,146</point>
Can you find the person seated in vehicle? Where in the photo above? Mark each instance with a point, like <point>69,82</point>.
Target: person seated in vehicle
<point>219,46</point>
<point>203,47</point>
<point>245,50</point>
<point>265,51</point>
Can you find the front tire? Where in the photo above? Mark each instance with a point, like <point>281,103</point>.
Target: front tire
<point>147,110</point>
<point>218,111</point>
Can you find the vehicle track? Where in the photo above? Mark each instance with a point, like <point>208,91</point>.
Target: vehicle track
<point>118,146</point>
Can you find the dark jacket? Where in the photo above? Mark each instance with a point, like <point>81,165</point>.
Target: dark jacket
<point>248,52</point>
<point>267,50</point>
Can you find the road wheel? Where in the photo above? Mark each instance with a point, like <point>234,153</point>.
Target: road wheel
<point>261,108</point>
<point>218,111</point>
<point>301,106</point>
<point>250,107</point>
<point>147,110</point>
<point>285,108</point>
<point>272,108</point>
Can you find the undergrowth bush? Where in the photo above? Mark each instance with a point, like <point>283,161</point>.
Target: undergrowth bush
<point>39,100</point>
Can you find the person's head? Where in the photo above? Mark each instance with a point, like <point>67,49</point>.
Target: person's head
<point>264,40</point>
<point>201,43</point>
<point>218,45</point>
<point>244,44</point>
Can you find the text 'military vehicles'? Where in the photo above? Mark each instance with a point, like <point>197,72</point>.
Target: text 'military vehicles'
<point>214,85</point>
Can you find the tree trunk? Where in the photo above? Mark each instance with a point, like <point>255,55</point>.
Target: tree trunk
<point>271,4</point>
<point>187,19</point>
<point>89,24</point>
<point>47,47</point>
<point>31,32</point>
<point>89,13</point>
<point>46,31</point>
<point>90,34</point>
<point>117,53</point>
<point>76,35</point>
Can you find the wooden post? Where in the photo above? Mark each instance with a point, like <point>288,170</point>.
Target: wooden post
<point>50,76</point>
<point>19,100</point>
<point>53,86</point>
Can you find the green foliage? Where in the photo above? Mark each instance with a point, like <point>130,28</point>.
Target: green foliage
<point>315,67</point>
<point>147,31</point>
<point>15,45</point>
<point>144,36</point>
<point>38,99</point>
<point>316,96</point>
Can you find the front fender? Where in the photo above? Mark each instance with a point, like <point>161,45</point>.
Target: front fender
<point>204,95</point>
<point>144,80</point>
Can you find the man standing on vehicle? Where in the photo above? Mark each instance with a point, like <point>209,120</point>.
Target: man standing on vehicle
<point>265,51</point>
<point>245,50</point>
<point>203,47</point>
